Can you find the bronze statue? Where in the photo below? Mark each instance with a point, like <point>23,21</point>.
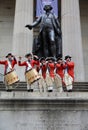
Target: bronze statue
<point>49,42</point>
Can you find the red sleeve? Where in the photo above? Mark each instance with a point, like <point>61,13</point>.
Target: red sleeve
<point>70,64</point>
<point>34,62</point>
<point>51,65</point>
<point>57,65</point>
<point>3,62</point>
<point>64,66</point>
<point>22,64</point>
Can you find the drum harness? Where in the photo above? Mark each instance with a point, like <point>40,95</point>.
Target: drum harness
<point>29,66</point>
<point>9,67</point>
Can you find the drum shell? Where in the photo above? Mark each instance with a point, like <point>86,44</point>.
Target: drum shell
<point>11,78</point>
<point>31,76</point>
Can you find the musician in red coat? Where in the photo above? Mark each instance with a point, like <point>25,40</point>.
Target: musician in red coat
<point>51,69</point>
<point>60,66</point>
<point>70,71</point>
<point>36,63</point>
<point>70,66</point>
<point>51,66</point>
<point>29,64</point>
<point>9,64</point>
<point>43,67</point>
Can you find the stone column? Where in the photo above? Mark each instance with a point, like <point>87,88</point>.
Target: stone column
<point>71,35</point>
<point>22,37</point>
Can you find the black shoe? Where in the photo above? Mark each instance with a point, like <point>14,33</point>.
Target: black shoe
<point>9,90</point>
<point>69,90</point>
<point>30,90</point>
<point>50,90</point>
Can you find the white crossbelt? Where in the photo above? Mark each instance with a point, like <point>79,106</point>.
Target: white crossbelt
<point>29,66</point>
<point>9,67</point>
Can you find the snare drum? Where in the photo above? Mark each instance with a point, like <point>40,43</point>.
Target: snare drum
<point>32,76</point>
<point>11,78</point>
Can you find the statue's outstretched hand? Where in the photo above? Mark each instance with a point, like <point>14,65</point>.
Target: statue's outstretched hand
<point>29,26</point>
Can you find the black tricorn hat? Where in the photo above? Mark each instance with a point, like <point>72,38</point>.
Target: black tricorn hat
<point>48,7</point>
<point>50,58</point>
<point>27,55</point>
<point>35,57</point>
<point>66,57</point>
<point>9,54</point>
<point>42,58</point>
<point>59,58</point>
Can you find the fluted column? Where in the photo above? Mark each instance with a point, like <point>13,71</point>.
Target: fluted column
<point>22,37</point>
<point>71,34</point>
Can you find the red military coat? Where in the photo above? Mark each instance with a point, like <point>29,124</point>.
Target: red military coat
<point>51,68</point>
<point>5,63</point>
<point>60,69</point>
<point>43,68</point>
<point>70,69</point>
<point>32,63</point>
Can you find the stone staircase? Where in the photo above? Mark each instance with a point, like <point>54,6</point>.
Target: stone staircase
<point>78,87</point>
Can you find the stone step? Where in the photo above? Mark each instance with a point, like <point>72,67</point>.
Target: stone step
<point>78,87</point>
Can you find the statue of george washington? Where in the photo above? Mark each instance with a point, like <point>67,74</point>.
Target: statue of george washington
<point>49,41</point>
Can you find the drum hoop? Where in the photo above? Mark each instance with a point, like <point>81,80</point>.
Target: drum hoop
<point>15,82</point>
<point>28,70</point>
<point>35,80</point>
<point>8,72</point>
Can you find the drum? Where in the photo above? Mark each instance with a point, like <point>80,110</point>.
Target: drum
<point>11,78</point>
<point>32,76</point>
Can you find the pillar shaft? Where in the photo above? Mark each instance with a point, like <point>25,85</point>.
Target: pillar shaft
<point>22,37</point>
<point>71,35</point>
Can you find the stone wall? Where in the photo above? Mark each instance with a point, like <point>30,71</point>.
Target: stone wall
<point>43,111</point>
<point>7,8</point>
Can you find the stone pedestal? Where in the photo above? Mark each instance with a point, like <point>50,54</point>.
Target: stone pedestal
<point>22,37</point>
<point>71,35</point>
